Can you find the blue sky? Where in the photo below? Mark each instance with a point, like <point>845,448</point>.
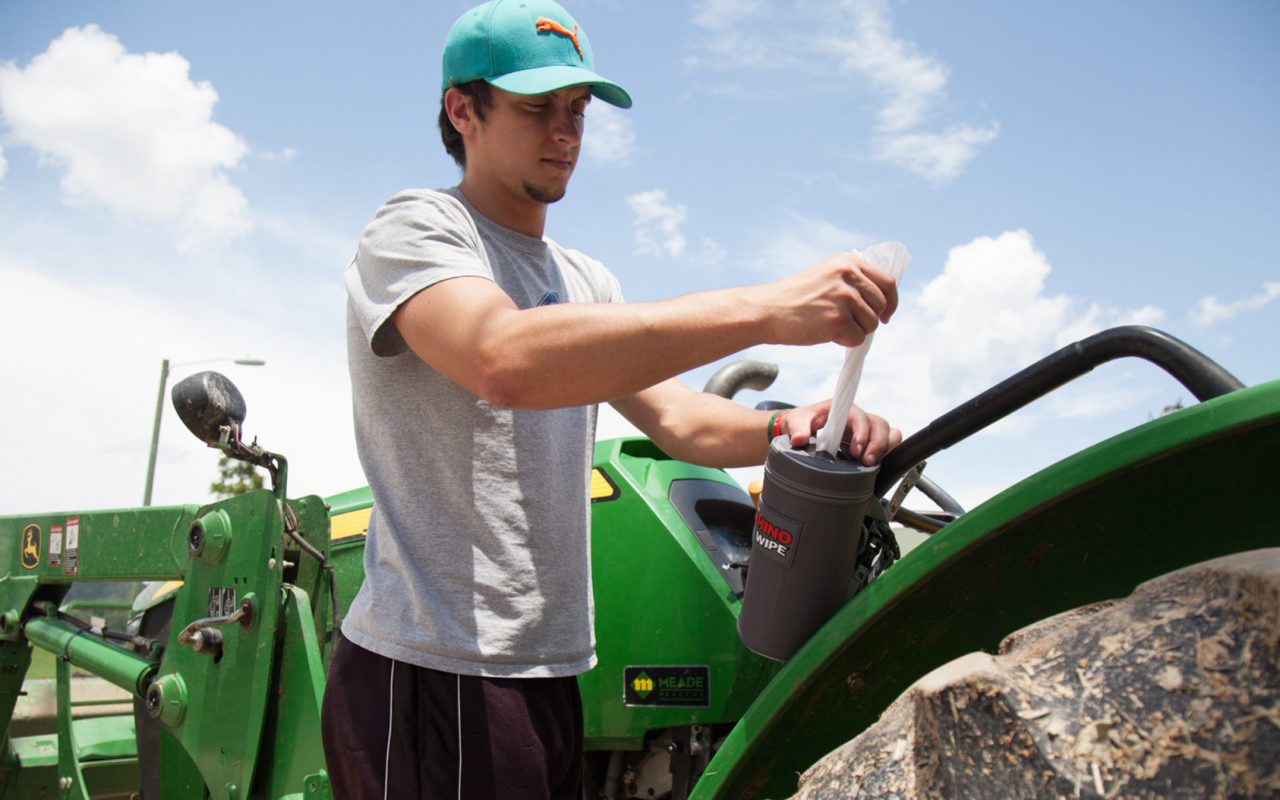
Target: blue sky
<point>188,181</point>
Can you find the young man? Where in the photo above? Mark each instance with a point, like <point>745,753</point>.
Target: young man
<point>478,352</point>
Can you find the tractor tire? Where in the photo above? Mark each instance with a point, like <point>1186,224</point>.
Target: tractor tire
<point>1172,692</point>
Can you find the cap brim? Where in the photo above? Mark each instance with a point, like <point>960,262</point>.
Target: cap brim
<point>541,80</point>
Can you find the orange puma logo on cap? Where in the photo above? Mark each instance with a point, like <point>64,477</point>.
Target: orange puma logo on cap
<point>545,25</point>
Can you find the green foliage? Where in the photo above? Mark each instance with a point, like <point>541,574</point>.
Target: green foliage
<point>235,477</point>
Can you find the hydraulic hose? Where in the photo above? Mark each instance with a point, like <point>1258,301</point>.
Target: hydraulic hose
<point>1193,369</point>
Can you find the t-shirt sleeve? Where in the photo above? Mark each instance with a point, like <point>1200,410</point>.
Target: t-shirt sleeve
<point>415,240</point>
<point>615,290</point>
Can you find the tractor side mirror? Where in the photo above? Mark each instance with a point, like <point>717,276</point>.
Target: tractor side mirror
<point>208,403</point>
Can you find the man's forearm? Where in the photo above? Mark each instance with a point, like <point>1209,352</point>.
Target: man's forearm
<point>581,353</point>
<point>575,354</point>
<point>697,427</point>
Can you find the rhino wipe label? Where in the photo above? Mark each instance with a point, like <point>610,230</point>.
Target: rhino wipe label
<point>775,536</point>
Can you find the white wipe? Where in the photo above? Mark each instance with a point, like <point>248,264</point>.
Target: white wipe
<point>893,258</point>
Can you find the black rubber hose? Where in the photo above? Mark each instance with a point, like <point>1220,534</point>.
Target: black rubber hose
<point>1193,369</point>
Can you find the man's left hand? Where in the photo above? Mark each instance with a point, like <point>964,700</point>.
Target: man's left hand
<point>869,436</point>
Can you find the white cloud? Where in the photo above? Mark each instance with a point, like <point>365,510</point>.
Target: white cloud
<point>854,37</point>
<point>84,387</point>
<point>4,165</point>
<point>1095,402</point>
<point>912,83</point>
<point>132,132</point>
<point>285,154</point>
<point>988,314</point>
<point>800,242</point>
<point>938,157</point>
<point>727,45</point>
<point>1210,310</point>
<point>721,14</point>
<point>709,253</point>
<point>658,223</point>
<point>610,135</point>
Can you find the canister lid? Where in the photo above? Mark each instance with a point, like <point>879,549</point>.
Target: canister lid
<point>818,471</point>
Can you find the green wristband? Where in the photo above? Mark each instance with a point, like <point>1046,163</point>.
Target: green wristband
<point>768,431</point>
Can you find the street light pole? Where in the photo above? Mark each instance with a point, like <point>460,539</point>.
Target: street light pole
<point>155,428</point>
<point>155,432</point>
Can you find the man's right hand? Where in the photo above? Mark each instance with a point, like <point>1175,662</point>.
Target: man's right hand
<point>841,300</point>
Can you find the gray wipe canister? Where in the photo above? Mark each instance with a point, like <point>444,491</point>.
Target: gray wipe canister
<point>804,546</point>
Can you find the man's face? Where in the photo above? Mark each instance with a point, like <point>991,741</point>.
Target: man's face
<point>529,144</point>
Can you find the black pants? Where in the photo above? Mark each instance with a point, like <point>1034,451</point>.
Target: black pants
<point>394,730</point>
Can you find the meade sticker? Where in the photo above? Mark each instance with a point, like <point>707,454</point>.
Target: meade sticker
<point>775,536</point>
<point>667,686</point>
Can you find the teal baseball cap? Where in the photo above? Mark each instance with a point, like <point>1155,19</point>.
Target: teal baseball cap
<point>524,47</point>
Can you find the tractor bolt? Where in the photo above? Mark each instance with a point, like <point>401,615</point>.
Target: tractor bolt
<point>64,783</point>
<point>195,538</point>
<point>209,536</point>
<point>207,641</point>
<point>167,700</point>
<point>155,701</point>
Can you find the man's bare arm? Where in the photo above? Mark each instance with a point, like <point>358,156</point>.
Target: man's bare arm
<point>579,353</point>
<point>713,431</point>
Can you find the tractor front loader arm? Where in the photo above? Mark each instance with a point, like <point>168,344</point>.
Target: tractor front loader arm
<point>231,687</point>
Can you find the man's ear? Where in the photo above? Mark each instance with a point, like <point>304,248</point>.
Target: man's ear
<point>458,106</point>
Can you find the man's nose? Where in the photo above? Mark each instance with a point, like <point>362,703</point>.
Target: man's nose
<point>568,128</point>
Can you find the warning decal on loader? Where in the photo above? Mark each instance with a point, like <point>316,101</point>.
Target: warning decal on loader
<point>71,544</point>
<point>667,686</point>
<point>55,545</point>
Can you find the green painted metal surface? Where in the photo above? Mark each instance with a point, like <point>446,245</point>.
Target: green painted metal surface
<point>120,667</point>
<point>70,777</point>
<point>107,751</point>
<point>222,721</point>
<point>1181,489</point>
<point>660,601</point>
<point>292,728</point>
<point>659,597</point>
<point>117,544</point>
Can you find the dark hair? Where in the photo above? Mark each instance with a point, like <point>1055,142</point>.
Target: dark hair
<point>481,101</point>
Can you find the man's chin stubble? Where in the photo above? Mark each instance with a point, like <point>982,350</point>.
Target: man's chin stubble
<point>540,195</point>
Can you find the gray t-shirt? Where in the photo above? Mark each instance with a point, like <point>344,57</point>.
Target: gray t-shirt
<point>477,559</point>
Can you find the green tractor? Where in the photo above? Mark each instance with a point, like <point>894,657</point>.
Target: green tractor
<point>927,681</point>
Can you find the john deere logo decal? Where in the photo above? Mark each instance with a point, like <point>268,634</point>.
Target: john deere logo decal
<point>667,686</point>
<point>31,547</point>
